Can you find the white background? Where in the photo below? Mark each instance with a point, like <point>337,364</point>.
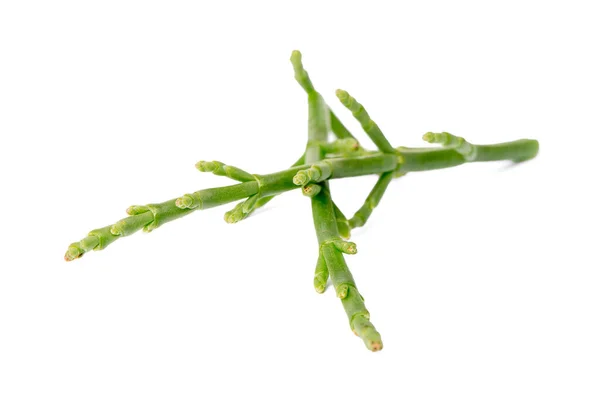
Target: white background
<point>482,279</point>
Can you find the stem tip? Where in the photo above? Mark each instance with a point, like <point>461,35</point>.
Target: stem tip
<point>320,288</point>
<point>73,252</point>
<point>428,137</point>
<point>206,166</point>
<point>342,95</point>
<point>311,190</point>
<point>301,178</point>
<point>296,57</point>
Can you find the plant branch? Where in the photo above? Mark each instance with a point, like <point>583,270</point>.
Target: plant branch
<point>427,159</point>
<point>331,245</point>
<point>363,213</point>
<point>369,126</point>
<point>218,168</point>
<point>321,161</point>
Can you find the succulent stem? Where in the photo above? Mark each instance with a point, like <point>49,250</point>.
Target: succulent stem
<point>342,222</point>
<point>369,126</point>
<point>427,159</point>
<point>321,161</point>
<point>363,213</point>
<point>218,168</point>
<point>331,246</point>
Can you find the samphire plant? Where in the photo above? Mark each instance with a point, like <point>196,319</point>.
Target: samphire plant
<point>323,159</point>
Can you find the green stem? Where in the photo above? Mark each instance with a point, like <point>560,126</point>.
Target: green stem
<point>331,245</point>
<point>300,73</point>
<point>368,125</point>
<point>147,217</point>
<point>237,214</point>
<point>301,76</point>
<point>344,167</point>
<point>218,168</point>
<point>338,129</point>
<point>152,216</point>
<point>342,222</point>
<point>321,161</point>
<point>462,147</point>
<point>409,160</point>
<point>321,274</point>
<point>318,126</point>
<point>341,277</point>
<point>427,159</point>
<point>363,213</point>
<point>516,151</point>
<point>209,198</point>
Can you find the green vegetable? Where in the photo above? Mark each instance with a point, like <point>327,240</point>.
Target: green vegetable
<point>322,160</point>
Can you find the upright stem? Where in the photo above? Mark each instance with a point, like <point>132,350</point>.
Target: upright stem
<point>326,225</point>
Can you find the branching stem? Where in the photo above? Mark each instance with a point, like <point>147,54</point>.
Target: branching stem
<point>321,161</point>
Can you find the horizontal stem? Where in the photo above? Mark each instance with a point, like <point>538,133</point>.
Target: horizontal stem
<point>344,167</point>
<point>264,200</point>
<point>218,168</point>
<point>409,160</point>
<point>517,151</point>
<point>213,197</point>
<point>147,217</point>
<point>426,159</point>
<point>364,165</point>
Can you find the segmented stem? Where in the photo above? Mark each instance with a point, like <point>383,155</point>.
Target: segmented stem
<point>148,218</point>
<point>359,317</point>
<point>464,148</point>
<point>344,167</point>
<point>242,209</point>
<point>151,216</point>
<point>352,301</point>
<point>259,203</point>
<point>345,158</point>
<point>369,126</point>
<point>301,76</point>
<point>317,172</point>
<point>331,246</point>
<point>427,159</point>
<point>345,247</point>
<point>209,198</point>
<point>300,73</point>
<point>218,168</point>
<point>321,274</point>
<point>363,213</point>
